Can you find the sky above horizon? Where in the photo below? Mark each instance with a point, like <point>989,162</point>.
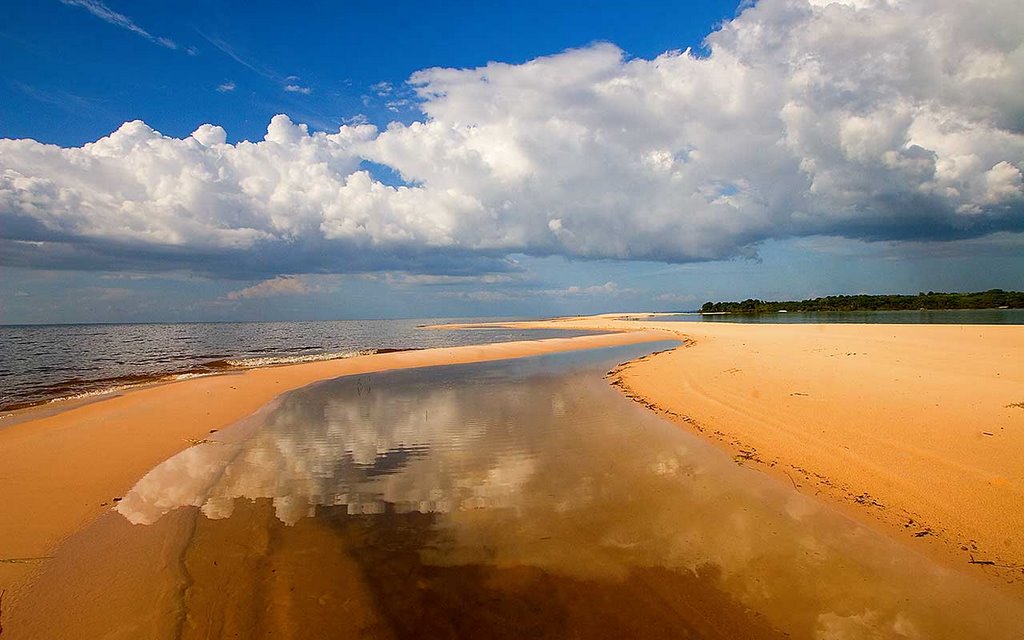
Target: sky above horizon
<point>247,161</point>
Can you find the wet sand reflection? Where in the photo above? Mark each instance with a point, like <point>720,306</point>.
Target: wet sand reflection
<point>518,499</point>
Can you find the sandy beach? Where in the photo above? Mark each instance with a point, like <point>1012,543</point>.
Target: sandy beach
<point>915,430</point>
<point>547,321</point>
<point>63,468</point>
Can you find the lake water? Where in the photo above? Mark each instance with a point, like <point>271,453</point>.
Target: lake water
<point>517,499</point>
<point>963,316</point>
<point>45,362</point>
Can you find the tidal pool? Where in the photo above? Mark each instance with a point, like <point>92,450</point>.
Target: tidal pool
<point>521,499</point>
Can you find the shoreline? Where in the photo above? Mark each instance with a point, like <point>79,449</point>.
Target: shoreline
<point>63,466</point>
<point>101,388</point>
<point>914,430</point>
<point>46,374</point>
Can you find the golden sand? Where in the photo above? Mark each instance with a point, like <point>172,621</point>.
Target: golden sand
<point>59,471</point>
<point>916,430</point>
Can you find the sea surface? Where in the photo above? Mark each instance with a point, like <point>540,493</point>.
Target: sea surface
<point>40,363</point>
<point>524,498</point>
<point>961,316</point>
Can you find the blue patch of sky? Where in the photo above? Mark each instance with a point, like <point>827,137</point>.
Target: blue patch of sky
<point>385,174</point>
<point>71,76</point>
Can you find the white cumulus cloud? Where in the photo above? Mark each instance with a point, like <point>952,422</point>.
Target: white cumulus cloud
<point>866,119</point>
<point>279,286</point>
<point>138,186</point>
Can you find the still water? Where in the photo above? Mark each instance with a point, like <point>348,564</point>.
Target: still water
<point>39,363</point>
<point>517,499</point>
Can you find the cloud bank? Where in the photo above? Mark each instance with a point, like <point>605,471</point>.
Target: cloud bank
<point>865,119</point>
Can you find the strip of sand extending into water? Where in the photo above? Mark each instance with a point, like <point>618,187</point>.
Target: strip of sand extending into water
<point>916,430</point>
<point>60,469</point>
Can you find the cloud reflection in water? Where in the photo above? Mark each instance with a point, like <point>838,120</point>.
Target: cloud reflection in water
<point>559,472</point>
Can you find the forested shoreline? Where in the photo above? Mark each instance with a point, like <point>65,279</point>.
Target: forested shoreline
<point>931,301</point>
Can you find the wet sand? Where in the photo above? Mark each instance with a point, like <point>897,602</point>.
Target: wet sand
<point>915,430</point>
<point>59,470</point>
<point>525,498</point>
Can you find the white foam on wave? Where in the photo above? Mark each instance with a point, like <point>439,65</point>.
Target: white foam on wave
<point>91,393</point>
<point>189,376</point>
<point>240,363</point>
<point>265,361</point>
<point>98,392</point>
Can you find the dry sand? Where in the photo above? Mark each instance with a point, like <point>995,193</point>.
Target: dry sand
<point>916,430</point>
<point>59,470</point>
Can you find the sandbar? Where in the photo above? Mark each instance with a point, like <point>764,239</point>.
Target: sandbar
<point>915,430</point>
<point>60,469</point>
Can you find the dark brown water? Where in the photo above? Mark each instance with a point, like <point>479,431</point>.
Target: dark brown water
<point>516,499</point>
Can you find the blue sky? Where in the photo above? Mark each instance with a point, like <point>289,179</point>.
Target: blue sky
<point>524,158</point>
<point>71,76</point>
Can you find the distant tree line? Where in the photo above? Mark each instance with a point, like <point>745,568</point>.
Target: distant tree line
<point>991,299</point>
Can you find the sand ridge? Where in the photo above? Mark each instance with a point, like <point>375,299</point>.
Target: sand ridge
<point>915,430</point>
<point>59,470</point>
